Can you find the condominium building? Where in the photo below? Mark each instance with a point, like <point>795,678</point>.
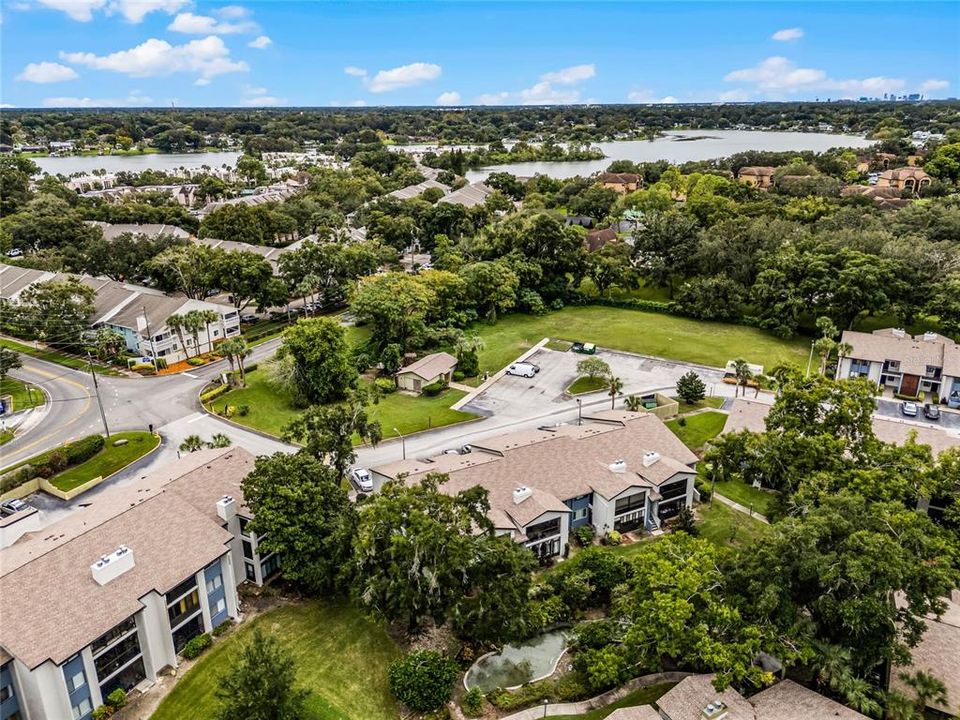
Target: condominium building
<point>109,596</point>
<point>618,471</point>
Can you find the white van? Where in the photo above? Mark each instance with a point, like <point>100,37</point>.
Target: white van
<point>522,369</point>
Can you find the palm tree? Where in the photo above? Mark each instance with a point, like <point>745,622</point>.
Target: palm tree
<point>236,350</point>
<point>900,707</point>
<point>191,443</point>
<point>210,317</point>
<point>194,321</point>
<point>833,664</point>
<point>742,370</point>
<point>860,695</point>
<point>614,388</point>
<point>178,323</point>
<point>219,440</point>
<point>633,403</point>
<point>928,688</point>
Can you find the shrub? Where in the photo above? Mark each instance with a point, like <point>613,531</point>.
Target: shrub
<point>144,369</point>
<point>422,680</point>
<point>83,449</point>
<point>468,364</point>
<point>57,461</point>
<point>214,394</point>
<point>682,422</point>
<point>243,410</point>
<point>691,388</point>
<point>161,363</point>
<point>117,699</point>
<point>612,538</point>
<point>195,361</point>
<point>16,478</point>
<point>472,703</point>
<point>103,712</point>
<point>584,535</point>
<point>434,389</point>
<point>385,385</point>
<point>603,668</point>
<point>223,627</point>
<point>596,633</point>
<point>196,646</point>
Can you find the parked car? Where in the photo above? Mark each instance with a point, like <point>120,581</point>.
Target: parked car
<point>9,507</point>
<point>931,412</point>
<point>15,252</point>
<point>585,348</point>
<point>909,409</point>
<point>522,369</point>
<point>362,480</point>
<point>248,318</point>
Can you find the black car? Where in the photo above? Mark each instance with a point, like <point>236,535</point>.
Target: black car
<point>931,412</point>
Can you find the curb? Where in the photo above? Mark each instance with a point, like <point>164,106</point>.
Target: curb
<point>496,376</point>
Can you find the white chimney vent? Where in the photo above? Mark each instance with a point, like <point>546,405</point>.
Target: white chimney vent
<point>714,711</point>
<point>227,508</point>
<point>930,336</point>
<point>618,466</point>
<point>521,493</point>
<point>110,567</point>
<point>649,458</point>
<point>899,332</point>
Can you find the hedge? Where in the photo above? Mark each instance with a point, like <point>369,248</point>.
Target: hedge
<point>434,389</point>
<point>657,306</point>
<point>52,462</point>
<point>196,646</point>
<point>215,393</point>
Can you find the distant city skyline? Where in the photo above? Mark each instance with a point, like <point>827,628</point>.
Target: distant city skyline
<point>135,53</point>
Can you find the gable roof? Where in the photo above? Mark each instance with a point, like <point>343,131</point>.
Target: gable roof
<point>789,701</point>
<point>756,170</point>
<point>619,178</point>
<point>914,353</point>
<point>469,195</point>
<point>599,238</point>
<point>686,700</point>
<point>430,366</point>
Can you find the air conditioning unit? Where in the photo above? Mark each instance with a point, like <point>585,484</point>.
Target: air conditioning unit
<point>521,493</point>
<point>110,567</point>
<point>649,458</point>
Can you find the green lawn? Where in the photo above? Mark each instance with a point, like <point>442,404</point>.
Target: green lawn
<point>341,656</point>
<point>724,526</point>
<point>55,356</point>
<point>760,500</point>
<point>107,461</point>
<point>271,412</point>
<point>640,332</point>
<point>6,436</point>
<point>709,402</point>
<point>699,428</point>
<point>643,696</point>
<point>24,395</point>
<point>584,384</point>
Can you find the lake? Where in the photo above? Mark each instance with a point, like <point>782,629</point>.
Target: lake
<point>680,146</point>
<point>70,164</point>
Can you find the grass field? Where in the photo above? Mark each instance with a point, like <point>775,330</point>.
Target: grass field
<point>643,696</point>
<point>709,402</point>
<point>107,461</point>
<point>271,411</point>
<point>23,394</point>
<point>584,384</point>
<point>724,526</point>
<point>341,656</point>
<point>699,428</point>
<point>760,500</point>
<point>639,332</point>
<point>55,356</point>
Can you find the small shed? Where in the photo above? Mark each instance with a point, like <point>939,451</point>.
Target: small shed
<point>437,367</point>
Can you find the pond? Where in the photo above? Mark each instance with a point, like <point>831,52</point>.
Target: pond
<point>69,164</point>
<point>518,664</point>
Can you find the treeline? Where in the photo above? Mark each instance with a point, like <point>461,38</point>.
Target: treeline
<point>289,128</point>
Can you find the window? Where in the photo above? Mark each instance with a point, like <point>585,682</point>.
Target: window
<point>181,589</point>
<point>76,682</point>
<point>859,368</point>
<point>117,656</point>
<point>183,607</point>
<point>81,709</point>
<point>270,566</point>
<point>544,529</point>
<point>214,584</point>
<point>251,571</point>
<point>114,634</point>
<point>674,490</point>
<point>631,503</point>
<point>243,525</point>
<point>248,549</point>
<point>581,513</point>
<point>5,693</point>
<point>221,606</point>
<point>185,632</point>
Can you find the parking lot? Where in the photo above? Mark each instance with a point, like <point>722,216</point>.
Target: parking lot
<point>949,419</point>
<point>518,397</point>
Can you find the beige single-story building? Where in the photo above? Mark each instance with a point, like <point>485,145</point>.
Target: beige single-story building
<point>437,367</point>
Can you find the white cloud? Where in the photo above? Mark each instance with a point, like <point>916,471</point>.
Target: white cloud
<point>787,34</point>
<point>80,10</point>
<point>191,24</point>
<point>570,75</point>
<point>932,84</point>
<point>543,93</point>
<point>135,10</point>
<point>232,12</point>
<point>6,106</point>
<point>354,71</point>
<point>778,75</point>
<point>207,57</point>
<point>47,72</point>
<point>201,81</point>
<point>492,98</point>
<point>647,97</point>
<point>403,76</point>
<point>134,99</point>
<point>260,97</point>
<point>737,95</point>
<point>260,42</point>
<point>132,10</point>
<point>449,98</point>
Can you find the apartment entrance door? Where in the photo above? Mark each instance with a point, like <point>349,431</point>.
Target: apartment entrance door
<point>910,385</point>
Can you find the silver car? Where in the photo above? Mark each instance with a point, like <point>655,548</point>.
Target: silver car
<point>909,409</point>
<point>362,480</point>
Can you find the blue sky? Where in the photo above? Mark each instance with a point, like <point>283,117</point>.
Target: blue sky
<point>68,53</point>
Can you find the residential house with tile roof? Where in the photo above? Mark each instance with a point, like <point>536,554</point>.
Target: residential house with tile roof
<point>618,471</point>
<point>98,601</point>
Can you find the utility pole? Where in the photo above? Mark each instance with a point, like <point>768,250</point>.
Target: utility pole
<point>153,348</point>
<point>96,389</point>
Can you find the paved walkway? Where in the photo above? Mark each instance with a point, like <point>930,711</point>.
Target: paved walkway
<point>741,508</point>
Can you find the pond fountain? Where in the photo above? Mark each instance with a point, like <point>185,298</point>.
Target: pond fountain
<point>518,664</point>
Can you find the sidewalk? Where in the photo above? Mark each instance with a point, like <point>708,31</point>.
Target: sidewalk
<point>741,508</point>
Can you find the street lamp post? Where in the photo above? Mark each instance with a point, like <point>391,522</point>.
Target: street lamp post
<point>579,411</point>
<point>403,443</point>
